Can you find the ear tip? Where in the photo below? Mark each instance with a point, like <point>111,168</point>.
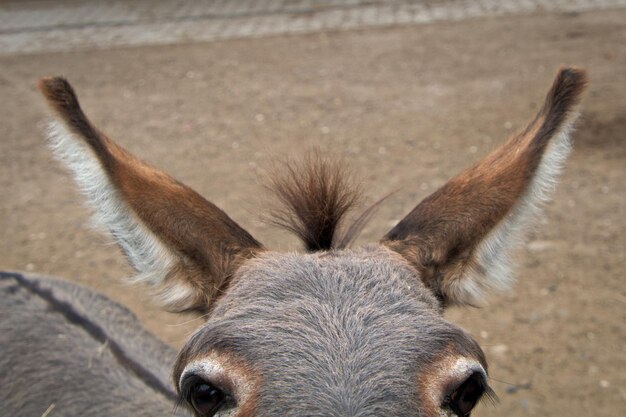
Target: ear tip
<point>49,85</point>
<point>55,88</point>
<point>59,93</point>
<point>575,73</point>
<point>565,94</point>
<point>571,79</point>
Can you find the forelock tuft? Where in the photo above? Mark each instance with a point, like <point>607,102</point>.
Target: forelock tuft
<point>313,196</point>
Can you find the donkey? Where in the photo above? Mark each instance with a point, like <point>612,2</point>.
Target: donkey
<point>335,331</point>
<point>68,351</point>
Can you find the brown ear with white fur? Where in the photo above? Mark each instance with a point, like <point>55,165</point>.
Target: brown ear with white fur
<point>176,240</point>
<point>459,236</point>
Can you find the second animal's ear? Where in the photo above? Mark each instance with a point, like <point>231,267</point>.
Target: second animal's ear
<point>458,237</point>
<point>176,240</point>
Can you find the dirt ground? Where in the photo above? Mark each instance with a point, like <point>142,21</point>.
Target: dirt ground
<point>409,107</point>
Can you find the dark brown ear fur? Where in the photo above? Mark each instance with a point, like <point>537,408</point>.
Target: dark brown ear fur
<point>204,243</point>
<point>475,211</point>
<point>314,197</point>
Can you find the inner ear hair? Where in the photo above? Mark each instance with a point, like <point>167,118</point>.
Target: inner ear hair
<point>458,238</point>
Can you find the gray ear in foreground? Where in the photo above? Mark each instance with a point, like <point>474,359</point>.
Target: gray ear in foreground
<point>176,240</point>
<point>458,237</point>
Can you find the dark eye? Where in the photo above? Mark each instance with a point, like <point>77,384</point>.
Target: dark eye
<point>463,399</point>
<point>204,397</point>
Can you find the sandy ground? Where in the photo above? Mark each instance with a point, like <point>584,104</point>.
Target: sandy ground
<point>408,107</point>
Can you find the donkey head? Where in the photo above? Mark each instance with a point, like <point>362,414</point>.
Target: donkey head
<point>335,331</point>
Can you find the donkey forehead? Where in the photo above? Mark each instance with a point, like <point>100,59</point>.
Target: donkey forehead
<point>331,331</point>
<point>367,285</point>
<point>369,277</point>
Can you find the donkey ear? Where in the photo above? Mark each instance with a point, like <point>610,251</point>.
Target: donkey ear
<point>459,236</point>
<point>176,240</point>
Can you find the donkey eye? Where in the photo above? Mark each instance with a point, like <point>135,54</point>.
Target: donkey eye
<point>463,399</point>
<point>206,399</point>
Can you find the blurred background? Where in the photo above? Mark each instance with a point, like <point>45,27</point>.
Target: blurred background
<point>409,92</point>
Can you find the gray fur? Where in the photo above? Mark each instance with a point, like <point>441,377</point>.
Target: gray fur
<point>342,333</point>
<point>50,362</point>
